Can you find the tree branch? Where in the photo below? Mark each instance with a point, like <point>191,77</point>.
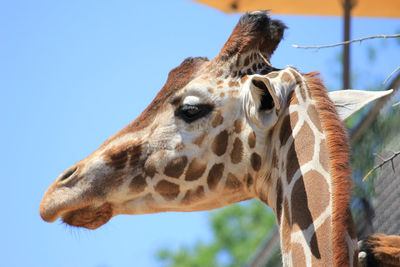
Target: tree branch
<point>391,74</point>
<point>384,161</point>
<point>347,42</point>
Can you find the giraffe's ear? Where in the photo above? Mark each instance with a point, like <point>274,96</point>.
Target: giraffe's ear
<point>261,101</point>
<point>347,102</point>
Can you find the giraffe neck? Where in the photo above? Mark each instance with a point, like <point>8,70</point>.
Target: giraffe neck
<point>310,197</point>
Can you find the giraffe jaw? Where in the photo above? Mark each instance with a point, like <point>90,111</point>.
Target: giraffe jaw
<point>89,217</point>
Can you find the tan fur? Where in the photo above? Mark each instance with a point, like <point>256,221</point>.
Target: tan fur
<point>339,168</point>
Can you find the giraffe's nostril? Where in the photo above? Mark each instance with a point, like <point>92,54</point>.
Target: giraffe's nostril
<point>68,173</point>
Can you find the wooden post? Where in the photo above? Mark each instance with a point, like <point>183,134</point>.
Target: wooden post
<point>347,5</point>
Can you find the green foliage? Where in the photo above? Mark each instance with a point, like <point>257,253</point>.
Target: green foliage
<point>238,231</point>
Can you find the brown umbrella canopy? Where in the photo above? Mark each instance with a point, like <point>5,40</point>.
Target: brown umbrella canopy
<point>365,8</point>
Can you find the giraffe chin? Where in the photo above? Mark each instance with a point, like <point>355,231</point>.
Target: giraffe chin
<point>89,217</point>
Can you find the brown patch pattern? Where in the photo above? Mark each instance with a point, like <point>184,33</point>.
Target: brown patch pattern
<point>299,82</point>
<point>232,182</point>
<point>339,168</point>
<point>220,143</point>
<point>237,151</point>
<point>301,214</point>
<point>298,256</point>
<point>215,175</point>
<point>316,185</point>
<point>322,254</point>
<point>292,163</point>
<point>167,190</point>
<point>304,144</point>
<point>323,155</point>
<point>285,130</point>
<point>137,184</point>
<point>278,203</point>
<point>195,170</point>
<point>238,124</point>
<point>251,139</point>
<point>218,120</point>
<point>293,100</point>
<point>286,77</point>
<point>192,196</point>
<point>313,115</point>
<point>176,167</point>
<point>273,74</point>
<point>255,160</point>
<point>149,169</point>
<point>249,180</point>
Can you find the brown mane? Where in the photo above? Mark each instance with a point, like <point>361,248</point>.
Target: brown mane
<point>339,167</point>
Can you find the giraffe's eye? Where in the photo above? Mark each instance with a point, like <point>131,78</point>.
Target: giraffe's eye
<point>190,113</point>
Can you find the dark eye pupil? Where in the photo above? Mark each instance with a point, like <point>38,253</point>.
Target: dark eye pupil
<point>190,109</point>
<point>190,113</point>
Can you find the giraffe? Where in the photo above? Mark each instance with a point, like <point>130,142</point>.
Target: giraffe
<point>223,131</point>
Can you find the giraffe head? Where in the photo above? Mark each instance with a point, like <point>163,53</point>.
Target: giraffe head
<point>193,148</point>
<point>204,142</point>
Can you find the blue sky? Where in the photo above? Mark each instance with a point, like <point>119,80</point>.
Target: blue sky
<point>72,73</point>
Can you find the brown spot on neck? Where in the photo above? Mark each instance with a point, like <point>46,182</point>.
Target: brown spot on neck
<point>232,182</point>
<point>288,124</point>
<point>195,170</point>
<point>285,130</point>
<point>251,140</point>
<point>215,175</point>
<point>304,143</point>
<point>255,160</point>
<point>292,163</point>
<point>237,151</point>
<point>298,255</point>
<point>168,190</point>
<point>273,74</point>
<point>339,169</point>
<point>238,124</point>
<point>138,184</point>
<point>279,202</point>
<point>301,215</point>
<point>286,77</point>
<point>299,82</point>
<point>149,168</point>
<point>312,113</point>
<point>249,180</point>
<point>176,167</point>
<point>193,196</point>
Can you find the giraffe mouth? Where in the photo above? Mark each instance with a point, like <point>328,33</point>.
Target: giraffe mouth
<point>89,217</point>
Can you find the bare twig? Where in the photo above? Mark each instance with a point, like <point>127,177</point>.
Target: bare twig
<point>396,104</point>
<point>384,161</point>
<point>391,74</point>
<point>346,42</point>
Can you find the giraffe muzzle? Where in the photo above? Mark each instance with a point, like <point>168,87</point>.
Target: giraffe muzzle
<point>73,198</point>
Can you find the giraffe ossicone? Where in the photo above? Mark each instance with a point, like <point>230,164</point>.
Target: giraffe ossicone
<point>224,131</point>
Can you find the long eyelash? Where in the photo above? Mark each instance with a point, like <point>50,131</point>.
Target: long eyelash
<point>203,109</point>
